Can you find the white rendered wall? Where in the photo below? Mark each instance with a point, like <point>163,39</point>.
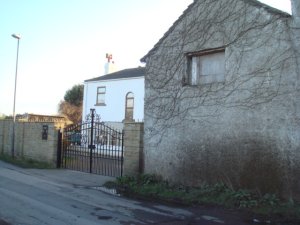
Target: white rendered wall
<point>115,97</point>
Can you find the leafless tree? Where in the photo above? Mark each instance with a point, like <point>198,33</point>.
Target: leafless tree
<point>72,112</point>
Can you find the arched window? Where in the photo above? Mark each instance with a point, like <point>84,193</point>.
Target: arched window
<point>129,105</point>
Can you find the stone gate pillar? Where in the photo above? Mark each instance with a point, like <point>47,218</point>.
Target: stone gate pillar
<point>133,148</point>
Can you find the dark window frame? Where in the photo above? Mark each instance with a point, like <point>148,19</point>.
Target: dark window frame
<point>188,79</point>
<point>129,109</point>
<point>100,93</point>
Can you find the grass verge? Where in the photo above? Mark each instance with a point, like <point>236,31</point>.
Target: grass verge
<point>151,187</point>
<point>25,162</point>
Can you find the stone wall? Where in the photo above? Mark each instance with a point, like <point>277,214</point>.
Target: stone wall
<point>28,140</point>
<point>133,152</point>
<point>244,131</point>
<point>29,143</point>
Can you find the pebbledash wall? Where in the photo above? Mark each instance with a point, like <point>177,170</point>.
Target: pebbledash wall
<point>244,131</point>
<point>28,140</point>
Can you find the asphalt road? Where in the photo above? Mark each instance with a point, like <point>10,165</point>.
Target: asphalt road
<point>64,197</point>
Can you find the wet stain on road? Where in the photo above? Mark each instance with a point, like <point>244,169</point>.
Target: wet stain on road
<point>153,218</point>
<point>211,218</point>
<point>98,209</point>
<point>104,217</point>
<point>2,222</point>
<point>100,217</point>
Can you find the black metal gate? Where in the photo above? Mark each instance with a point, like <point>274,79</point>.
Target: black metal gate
<point>91,146</point>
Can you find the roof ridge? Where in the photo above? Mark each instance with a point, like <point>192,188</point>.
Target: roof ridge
<point>125,73</point>
<point>266,6</point>
<point>255,3</point>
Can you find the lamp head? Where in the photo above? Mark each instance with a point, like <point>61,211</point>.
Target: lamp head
<point>17,36</point>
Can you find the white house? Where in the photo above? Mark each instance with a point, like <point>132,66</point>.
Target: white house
<point>117,97</point>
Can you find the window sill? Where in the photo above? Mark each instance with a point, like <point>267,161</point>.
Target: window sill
<point>204,84</point>
<point>100,104</point>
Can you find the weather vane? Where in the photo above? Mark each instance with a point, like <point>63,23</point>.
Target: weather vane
<point>109,57</point>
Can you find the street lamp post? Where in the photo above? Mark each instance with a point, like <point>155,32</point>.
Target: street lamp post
<point>18,37</point>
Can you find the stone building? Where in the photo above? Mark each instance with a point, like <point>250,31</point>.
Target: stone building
<point>222,100</point>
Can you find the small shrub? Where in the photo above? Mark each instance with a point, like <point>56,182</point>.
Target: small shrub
<point>110,185</point>
<point>245,199</point>
<point>219,188</point>
<point>125,180</point>
<point>269,200</point>
<point>148,179</point>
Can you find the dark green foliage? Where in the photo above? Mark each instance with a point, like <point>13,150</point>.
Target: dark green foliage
<point>74,96</point>
<point>245,199</point>
<point>71,107</point>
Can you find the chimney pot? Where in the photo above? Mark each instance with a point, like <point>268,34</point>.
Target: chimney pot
<point>295,8</point>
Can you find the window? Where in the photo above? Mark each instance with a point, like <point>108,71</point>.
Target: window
<point>129,105</point>
<point>100,96</point>
<point>206,67</point>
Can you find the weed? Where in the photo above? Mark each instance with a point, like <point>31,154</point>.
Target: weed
<point>269,200</point>
<point>26,162</point>
<point>245,199</point>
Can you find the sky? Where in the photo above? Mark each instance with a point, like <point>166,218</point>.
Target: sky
<point>64,42</point>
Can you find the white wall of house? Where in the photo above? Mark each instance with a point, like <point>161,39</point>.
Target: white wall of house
<point>115,96</point>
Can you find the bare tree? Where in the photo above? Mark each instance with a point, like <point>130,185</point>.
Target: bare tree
<point>72,112</point>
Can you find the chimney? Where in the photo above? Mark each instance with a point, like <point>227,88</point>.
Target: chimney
<point>109,66</point>
<point>296,9</point>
